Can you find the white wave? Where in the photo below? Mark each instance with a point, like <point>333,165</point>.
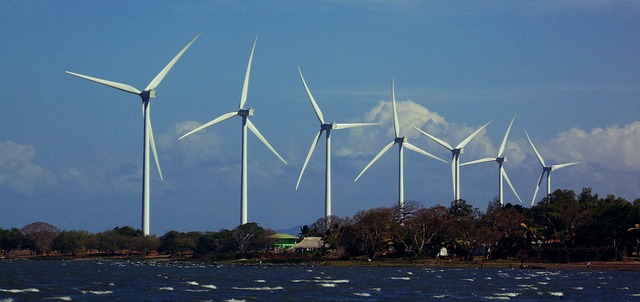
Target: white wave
<point>194,283</point>
<point>496,298</point>
<point>235,300</point>
<point>97,292</point>
<point>259,288</point>
<point>624,288</point>
<point>556,294</point>
<point>363,294</point>
<point>577,288</point>
<point>634,295</point>
<point>399,278</point>
<point>167,288</point>
<point>439,296</point>
<point>543,283</point>
<point>7,300</point>
<point>197,290</point>
<point>65,298</point>
<point>327,284</point>
<point>260,281</point>
<point>15,291</point>
<point>321,281</point>
<point>378,289</point>
<point>209,286</point>
<point>469,279</point>
<point>507,294</point>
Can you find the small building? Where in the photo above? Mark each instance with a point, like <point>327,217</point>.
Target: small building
<point>284,241</point>
<point>309,244</point>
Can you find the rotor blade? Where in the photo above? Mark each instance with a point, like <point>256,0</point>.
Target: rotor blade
<point>153,149</point>
<point>221,118</point>
<point>156,81</point>
<point>504,140</point>
<point>245,86</point>
<point>306,161</point>
<point>478,161</point>
<point>535,150</point>
<point>313,101</point>
<point>396,123</point>
<point>435,139</point>
<point>468,139</point>
<point>116,85</point>
<point>264,141</point>
<point>382,152</point>
<point>537,188</point>
<point>416,149</point>
<point>352,125</point>
<point>556,167</point>
<point>506,177</point>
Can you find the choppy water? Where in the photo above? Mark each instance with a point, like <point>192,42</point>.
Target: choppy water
<point>167,281</point>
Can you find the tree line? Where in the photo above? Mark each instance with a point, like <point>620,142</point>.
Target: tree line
<point>562,227</point>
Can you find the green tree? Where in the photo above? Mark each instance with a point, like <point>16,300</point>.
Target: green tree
<point>10,240</point>
<point>71,242</point>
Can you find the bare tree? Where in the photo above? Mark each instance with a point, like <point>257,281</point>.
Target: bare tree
<point>40,235</point>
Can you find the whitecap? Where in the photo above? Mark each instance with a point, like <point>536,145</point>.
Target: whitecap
<point>363,294</point>
<point>439,296</point>
<point>512,295</point>
<point>496,298</point>
<point>167,288</point>
<point>556,294</point>
<point>468,279</point>
<point>234,300</point>
<point>578,288</point>
<point>260,281</point>
<point>15,291</point>
<point>197,290</point>
<point>327,284</point>
<point>259,288</point>
<point>634,295</point>
<point>399,278</point>
<point>97,292</point>
<point>65,298</point>
<point>193,283</point>
<point>209,286</point>
<point>7,300</point>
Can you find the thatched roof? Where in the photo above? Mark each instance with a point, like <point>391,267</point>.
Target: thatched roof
<point>283,236</point>
<point>310,243</point>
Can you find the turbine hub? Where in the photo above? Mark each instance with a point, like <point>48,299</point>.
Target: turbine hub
<point>148,94</point>
<point>245,112</point>
<point>400,140</point>
<point>501,159</point>
<point>327,126</point>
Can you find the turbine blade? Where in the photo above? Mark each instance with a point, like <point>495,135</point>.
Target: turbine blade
<point>306,161</point>
<point>153,149</point>
<point>245,86</point>
<point>560,166</point>
<point>221,118</point>
<point>468,139</point>
<point>156,81</point>
<point>382,152</point>
<point>535,150</point>
<point>537,188</point>
<point>506,177</point>
<point>478,161</point>
<point>264,141</point>
<point>352,125</point>
<point>435,139</point>
<point>396,123</point>
<point>504,140</point>
<point>313,101</point>
<point>116,85</point>
<point>416,149</point>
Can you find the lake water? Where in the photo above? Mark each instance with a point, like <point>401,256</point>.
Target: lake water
<point>170,281</point>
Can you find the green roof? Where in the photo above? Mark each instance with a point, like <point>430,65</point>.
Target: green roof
<point>283,236</point>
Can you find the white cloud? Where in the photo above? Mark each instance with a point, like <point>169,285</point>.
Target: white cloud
<point>17,169</point>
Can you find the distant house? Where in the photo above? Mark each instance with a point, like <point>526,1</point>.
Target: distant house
<point>309,244</point>
<point>284,241</point>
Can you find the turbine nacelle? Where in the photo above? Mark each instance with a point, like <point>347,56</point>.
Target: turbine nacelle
<point>148,94</point>
<point>245,112</point>
<point>330,126</point>
<point>400,140</point>
<point>501,159</point>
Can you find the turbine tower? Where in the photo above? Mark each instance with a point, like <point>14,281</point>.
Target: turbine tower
<point>502,174</point>
<point>455,156</point>
<point>402,142</point>
<point>545,169</point>
<point>146,95</point>
<point>244,113</point>
<point>324,127</point>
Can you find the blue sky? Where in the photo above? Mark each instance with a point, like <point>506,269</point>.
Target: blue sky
<point>71,150</point>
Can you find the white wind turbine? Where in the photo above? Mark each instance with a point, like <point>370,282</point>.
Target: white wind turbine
<point>324,127</point>
<point>545,169</point>
<point>244,113</point>
<point>455,156</point>
<point>147,94</point>
<point>500,160</point>
<point>402,142</point>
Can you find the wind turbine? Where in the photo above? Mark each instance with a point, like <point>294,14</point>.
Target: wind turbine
<point>500,160</point>
<point>402,142</point>
<point>545,169</point>
<point>146,95</point>
<point>244,113</point>
<point>324,127</point>
<point>455,156</point>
